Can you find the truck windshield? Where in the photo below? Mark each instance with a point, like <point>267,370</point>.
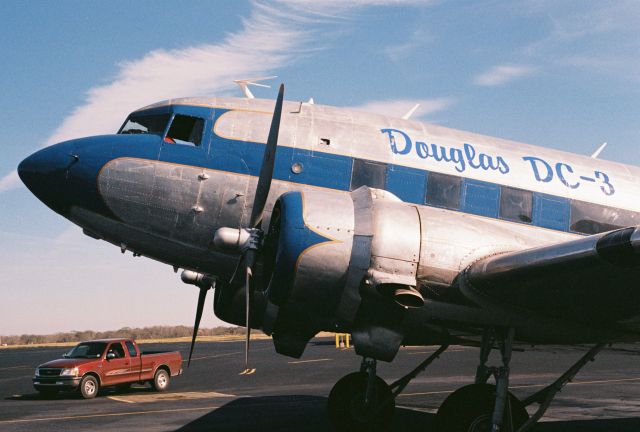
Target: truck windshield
<point>87,350</point>
<point>154,124</point>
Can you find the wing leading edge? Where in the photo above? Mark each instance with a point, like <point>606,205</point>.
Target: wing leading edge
<point>591,280</point>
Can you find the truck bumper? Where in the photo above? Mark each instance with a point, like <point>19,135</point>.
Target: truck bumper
<point>58,383</point>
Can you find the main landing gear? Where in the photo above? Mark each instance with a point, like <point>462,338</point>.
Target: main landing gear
<point>362,401</point>
<point>481,407</point>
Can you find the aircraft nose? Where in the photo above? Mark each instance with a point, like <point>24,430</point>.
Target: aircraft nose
<point>44,174</point>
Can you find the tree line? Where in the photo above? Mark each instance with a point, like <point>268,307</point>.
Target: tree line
<point>154,332</point>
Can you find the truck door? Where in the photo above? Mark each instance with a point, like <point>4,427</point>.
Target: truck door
<point>116,366</point>
<point>135,363</point>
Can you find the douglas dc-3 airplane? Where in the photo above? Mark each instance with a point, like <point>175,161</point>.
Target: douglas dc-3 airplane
<point>307,218</point>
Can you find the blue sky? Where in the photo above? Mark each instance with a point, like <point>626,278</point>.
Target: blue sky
<point>558,74</point>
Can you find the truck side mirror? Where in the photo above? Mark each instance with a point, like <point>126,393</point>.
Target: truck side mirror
<point>111,356</point>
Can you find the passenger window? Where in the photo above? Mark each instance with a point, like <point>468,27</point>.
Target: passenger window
<point>408,184</point>
<point>551,212</point>
<point>185,130</point>
<point>116,348</point>
<point>443,190</point>
<point>131,349</point>
<point>480,198</point>
<point>588,218</point>
<point>516,204</point>
<point>368,173</point>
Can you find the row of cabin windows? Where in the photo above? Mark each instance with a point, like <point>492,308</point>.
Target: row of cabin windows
<point>491,200</point>
<point>439,190</point>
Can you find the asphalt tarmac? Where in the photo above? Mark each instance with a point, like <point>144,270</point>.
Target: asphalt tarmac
<point>290,395</point>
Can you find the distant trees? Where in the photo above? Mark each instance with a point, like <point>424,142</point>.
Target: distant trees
<point>155,332</point>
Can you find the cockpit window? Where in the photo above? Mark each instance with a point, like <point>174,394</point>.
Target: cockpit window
<point>146,124</point>
<point>185,130</point>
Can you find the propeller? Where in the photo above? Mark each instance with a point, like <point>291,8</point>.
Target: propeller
<point>252,246</point>
<point>204,283</point>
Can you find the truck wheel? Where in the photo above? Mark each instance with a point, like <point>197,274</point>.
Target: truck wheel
<point>161,380</point>
<point>89,387</point>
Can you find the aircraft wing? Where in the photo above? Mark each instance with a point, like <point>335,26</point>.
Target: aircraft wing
<point>593,280</point>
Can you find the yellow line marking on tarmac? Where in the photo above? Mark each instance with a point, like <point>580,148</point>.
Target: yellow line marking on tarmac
<point>431,352</point>
<point>529,386</point>
<point>119,399</point>
<point>109,414</point>
<point>309,361</point>
<point>225,354</point>
<point>156,397</point>
<point>214,356</point>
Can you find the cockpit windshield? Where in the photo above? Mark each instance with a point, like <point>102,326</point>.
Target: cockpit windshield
<point>154,124</point>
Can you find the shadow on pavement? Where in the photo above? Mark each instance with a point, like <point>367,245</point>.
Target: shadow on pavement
<point>288,413</point>
<point>63,395</point>
<point>597,425</point>
<point>307,413</point>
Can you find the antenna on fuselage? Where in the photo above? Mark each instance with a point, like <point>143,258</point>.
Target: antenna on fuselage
<point>597,152</point>
<point>410,112</point>
<point>245,83</point>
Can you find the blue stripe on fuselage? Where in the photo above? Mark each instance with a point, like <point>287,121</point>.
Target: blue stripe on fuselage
<point>318,169</point>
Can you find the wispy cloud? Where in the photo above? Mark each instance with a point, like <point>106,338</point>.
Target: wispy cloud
<point>416,40</point>
<point>9,181</point>
<point>399,107</point>
<point>273,36</point>
<point>502,74</point>
<point>266,41</point>
<point>592,36</point>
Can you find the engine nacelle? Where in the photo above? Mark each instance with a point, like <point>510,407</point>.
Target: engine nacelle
<point>325,250</point>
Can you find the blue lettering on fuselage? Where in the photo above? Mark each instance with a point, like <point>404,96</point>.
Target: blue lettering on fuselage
<point>468,157</point>
<point>543,172</point>
<point>460,158</point>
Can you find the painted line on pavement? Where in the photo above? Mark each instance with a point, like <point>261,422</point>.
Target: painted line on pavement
<point>87,416</point>
<point>161,397</point>
<point>530,386</point>
<point>309,361</point>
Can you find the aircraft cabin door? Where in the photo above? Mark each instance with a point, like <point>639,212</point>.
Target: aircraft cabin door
<point>181,173</point>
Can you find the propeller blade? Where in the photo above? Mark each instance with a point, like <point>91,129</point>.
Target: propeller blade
<point>201,298</point>
<point>268,163</point>
<point>247,291</point>
<point>250,258</point>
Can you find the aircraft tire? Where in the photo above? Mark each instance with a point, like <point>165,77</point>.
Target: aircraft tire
<point>161,380</point>
<point>346,408</point>
<point>89,387</point>
<point>470,408</point>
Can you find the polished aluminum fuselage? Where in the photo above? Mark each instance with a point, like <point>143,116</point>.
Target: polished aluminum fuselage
<point>169,209</point>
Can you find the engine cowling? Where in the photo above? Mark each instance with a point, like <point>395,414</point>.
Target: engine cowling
<point>325,251</point>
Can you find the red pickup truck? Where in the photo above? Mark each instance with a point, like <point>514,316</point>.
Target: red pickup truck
<point>107,362</point>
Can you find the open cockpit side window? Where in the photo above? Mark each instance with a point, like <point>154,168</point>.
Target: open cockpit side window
<point>154,124</point>
<point>185,130</point>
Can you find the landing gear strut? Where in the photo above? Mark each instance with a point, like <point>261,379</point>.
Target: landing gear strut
<point>361,401</point>
<point>482,407</point>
